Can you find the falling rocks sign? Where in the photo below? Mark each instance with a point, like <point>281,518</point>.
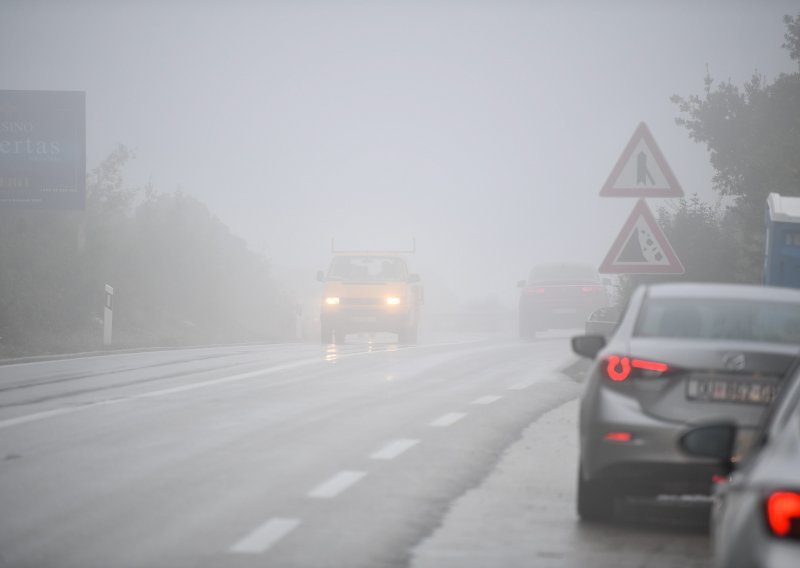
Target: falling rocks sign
<point>42,149</point>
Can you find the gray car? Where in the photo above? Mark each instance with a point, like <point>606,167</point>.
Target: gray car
<point>682,355</point>
<point>756,515</point>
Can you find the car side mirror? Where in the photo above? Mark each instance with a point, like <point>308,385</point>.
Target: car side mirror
<point>320,276</point>
<point>520,283</point>
<point>412,278</point>
<point>588,345</point>
<point>713,441</point>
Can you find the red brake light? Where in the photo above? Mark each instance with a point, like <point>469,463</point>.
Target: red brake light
<point>618,437</point>
<point>587,289</point>
<point>620,368</point>
<point>650,365</point>
<point>530,291</point>
<point>783,514</point>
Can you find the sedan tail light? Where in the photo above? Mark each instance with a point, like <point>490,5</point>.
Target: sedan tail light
<point>620,368</point>
<point>783,514</point>
<point>530,291</point>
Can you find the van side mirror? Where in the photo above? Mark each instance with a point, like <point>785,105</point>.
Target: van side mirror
<point>588,345</point>
<point>320,276</point>
<point>413,278</point>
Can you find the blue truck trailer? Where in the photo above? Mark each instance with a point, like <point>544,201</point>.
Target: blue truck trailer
<point>782,255</point>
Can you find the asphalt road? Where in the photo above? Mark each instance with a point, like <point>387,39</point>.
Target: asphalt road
<point>456,452</point>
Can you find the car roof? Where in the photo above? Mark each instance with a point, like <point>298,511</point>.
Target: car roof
<point>717,291</point>
<point>371,253</point>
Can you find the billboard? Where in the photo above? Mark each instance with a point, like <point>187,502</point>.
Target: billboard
<point>43,149</point>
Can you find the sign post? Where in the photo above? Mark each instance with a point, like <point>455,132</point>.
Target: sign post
<point>108,315</point>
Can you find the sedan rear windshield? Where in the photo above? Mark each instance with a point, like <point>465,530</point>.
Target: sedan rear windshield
<point>738,320</point>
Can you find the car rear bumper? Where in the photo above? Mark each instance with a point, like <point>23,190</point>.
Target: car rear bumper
<point>557,314</point>
<point>651,460</point>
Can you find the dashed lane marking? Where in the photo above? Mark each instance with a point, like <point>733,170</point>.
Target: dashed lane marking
<point>523,384</point>
<point>486,400</point>
<point>394,449</point>
<point>448,419</point>
<point>336,484</point>
<point>265,536</point>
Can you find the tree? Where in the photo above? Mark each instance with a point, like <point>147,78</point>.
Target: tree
<point>697,233</point>
<point>753,137</point>
<point>180,276</point>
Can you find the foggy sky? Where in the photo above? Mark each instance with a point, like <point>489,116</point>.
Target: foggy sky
<point>483,129</point>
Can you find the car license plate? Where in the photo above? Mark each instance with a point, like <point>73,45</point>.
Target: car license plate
<point>751,391</point>
<point>364,319</point>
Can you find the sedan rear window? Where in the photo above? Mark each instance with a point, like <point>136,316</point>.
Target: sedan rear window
<point>770,322</point>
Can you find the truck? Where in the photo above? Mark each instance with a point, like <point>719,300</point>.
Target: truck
<point>369,291</point>
<point>782,249</point>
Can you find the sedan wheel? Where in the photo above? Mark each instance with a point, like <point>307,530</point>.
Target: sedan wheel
<point>595,500</point>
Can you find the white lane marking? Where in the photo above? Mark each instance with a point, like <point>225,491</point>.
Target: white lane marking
<point>394,449</point>
<point>523,384</point>
<point>37,416</point>
<point>448,419</point>
<point>71,409</point>
<point>336,484</point>
<point>201,384</point>
<point>486,400</point>
<point>265,536</point>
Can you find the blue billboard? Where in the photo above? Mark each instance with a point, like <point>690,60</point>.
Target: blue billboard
<point>42,149</point>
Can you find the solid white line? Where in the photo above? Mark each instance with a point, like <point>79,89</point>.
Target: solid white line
<point>448,419</point>
<point>192,386</point>
<point>486,400</point>
<point>523,385</point>
<point>265,536</point>
<point>37,416</point>
<point>391,451</point>
<point>336,484</point>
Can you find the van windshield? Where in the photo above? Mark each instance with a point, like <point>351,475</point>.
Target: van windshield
<point>368,269</point>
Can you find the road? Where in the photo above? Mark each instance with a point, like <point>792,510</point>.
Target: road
<point>457,452</point>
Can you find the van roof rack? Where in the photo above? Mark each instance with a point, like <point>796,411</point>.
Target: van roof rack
<point>412,250</point>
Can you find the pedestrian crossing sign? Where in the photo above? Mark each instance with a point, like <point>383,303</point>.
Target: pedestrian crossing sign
<point>642,170</point>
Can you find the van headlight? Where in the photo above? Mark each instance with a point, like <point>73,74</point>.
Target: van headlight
<point>392,301</point>
<point>332,300</point>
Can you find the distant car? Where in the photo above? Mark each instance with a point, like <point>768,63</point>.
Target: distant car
<point>756,514</point>
<point>558,296</point>
<point>682,354</point>
<point>603,321</point>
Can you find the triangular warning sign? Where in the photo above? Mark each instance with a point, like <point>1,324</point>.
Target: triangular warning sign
<point>641,170</point>
<point>641,247</point>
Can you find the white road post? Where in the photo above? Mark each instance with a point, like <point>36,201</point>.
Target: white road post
<point>108,315</point>
<point>298,321</point>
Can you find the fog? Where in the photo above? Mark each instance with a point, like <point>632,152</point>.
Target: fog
<point>484,130</point>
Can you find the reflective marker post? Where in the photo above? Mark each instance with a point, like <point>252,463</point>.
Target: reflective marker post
<point>108,315</point>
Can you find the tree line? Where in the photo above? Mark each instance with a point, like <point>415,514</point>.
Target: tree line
<point>180,277</point>
<point>752,134</point>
